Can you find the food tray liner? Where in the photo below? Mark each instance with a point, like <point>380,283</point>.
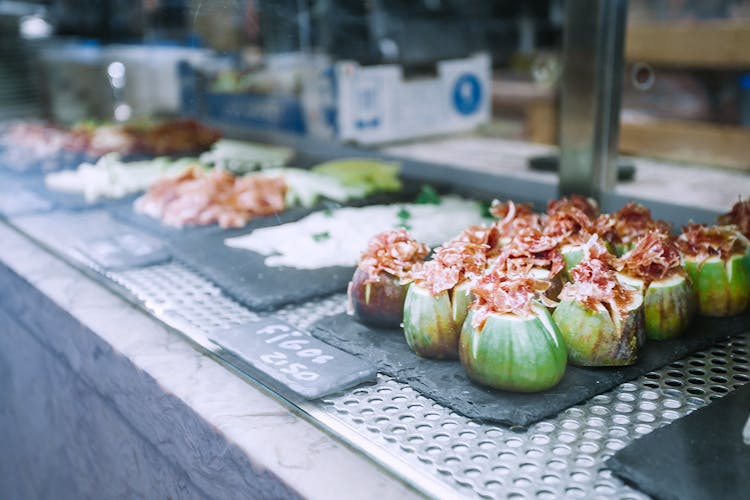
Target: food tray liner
<point>700,456</point>
<point>447,383</point>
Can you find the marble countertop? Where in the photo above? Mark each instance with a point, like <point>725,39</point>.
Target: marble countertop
<point>261,435</point>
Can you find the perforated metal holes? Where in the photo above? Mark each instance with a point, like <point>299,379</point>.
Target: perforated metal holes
<point>558,457</point>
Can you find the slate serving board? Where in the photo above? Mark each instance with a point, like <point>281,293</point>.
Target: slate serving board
<point>447,383</point>
<point>700,456</point>
<point>243,275</point>
<point>28,194</point>
<point>127,213</point>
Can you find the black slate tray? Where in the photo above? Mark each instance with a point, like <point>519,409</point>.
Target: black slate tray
<point>24,161</point>
<point>242,274</point>
<point>27,194</point>
<point>127,213</point>
<point>701,456</point>
<point>446,382</point>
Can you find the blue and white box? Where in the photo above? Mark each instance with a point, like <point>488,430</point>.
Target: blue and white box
<point>377,104</point>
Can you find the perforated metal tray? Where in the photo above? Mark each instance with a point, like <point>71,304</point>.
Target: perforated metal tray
<point>444,454</point>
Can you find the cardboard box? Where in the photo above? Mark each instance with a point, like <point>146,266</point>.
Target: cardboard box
<point>376,104</point>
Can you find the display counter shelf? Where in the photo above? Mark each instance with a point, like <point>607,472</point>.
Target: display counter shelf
<point>109,387</point>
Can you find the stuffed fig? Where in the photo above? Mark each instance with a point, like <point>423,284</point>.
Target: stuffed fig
<point>654,267</point>
<point>378,289</point>
<point>716,259</point>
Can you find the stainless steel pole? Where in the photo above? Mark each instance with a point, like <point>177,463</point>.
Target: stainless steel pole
<point>591,89</point>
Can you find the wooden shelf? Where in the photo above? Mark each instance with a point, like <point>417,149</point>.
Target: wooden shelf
<point>693,142</point>
<point>690,44</point>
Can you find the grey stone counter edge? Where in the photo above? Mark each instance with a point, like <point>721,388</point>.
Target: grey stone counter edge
<point>97,399</point>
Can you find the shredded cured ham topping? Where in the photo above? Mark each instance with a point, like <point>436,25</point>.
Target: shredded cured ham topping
<point>739,215</point>
<point>571,220</point>
<point>701,242</point>
<point>498,293</point>
<point>528,250</point>
<point>200,198</point>
<point>476,234</point>
<point>594,283</point>
<point>463,258</point>
<point>585,205</point>
<point>654,257</point>
<point>595,248</point>
<point>393,252</point>
<point>628,224</point>
<point>513,217</point>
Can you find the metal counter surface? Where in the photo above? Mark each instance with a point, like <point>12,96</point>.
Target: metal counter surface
<point>434,450</point>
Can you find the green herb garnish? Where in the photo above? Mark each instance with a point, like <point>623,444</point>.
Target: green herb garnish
<point>484,209</point>
<point>428,196</point>
<point>403,214</point>
<point>328,212</point>
<point>318,237</point>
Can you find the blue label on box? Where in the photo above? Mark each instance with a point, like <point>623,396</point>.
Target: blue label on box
<point>467,94</point>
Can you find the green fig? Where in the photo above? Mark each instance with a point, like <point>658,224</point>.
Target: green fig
<point>432,325</point>
<point>601,336</point>
<point>722,287</point>
<point>513,352</point>
<point>668,304</point>
<point>668,307</point>
<point>717,259</point>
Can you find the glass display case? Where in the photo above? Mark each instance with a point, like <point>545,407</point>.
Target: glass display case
<point>335,248</point>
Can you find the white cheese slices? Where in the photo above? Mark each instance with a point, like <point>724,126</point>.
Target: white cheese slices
<point>335,238</point>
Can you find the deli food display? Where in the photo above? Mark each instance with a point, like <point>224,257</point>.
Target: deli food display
<point>518,299</point>
<point>498,311</point>
<point>45,147</point>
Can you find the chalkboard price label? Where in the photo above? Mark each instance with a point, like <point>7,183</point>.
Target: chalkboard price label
<point>124,251</point>
<point>291,357</point>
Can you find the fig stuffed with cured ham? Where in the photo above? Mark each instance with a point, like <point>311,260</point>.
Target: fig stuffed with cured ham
<point>438,299</point>
<point>512,218</point>
<point>533,253</point>
<point>716,259</point>
<point>600,319</point>
<point>738,216</point>
<point>377,290</point>
<point>571,221</point>
<point>654,267</point>
<point>509,340</point>
<point>624,228</point>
